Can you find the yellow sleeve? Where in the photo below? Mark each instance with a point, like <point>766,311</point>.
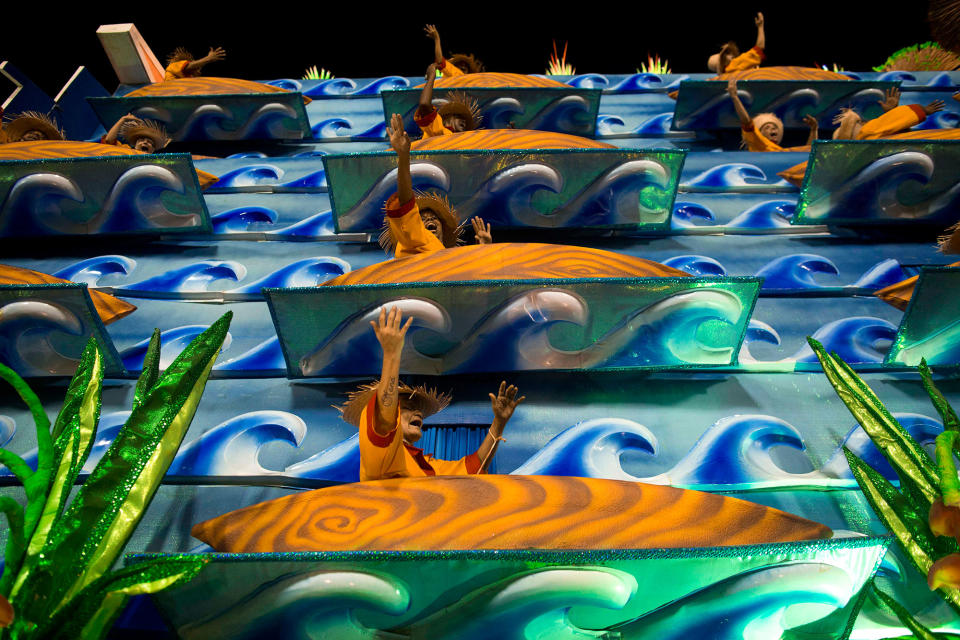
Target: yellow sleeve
<point>449,70</point>
<point>468,465</point>
<point>380,456</point>
<point>176,70</point>
<point>408,231</point>
<point>756,141</point>
<point>747,60</point>
<point>432,125</point>
<point>894,121</point>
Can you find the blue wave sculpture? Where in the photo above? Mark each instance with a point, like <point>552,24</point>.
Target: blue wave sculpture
<point>734,174</point>
<point>338,463</point>
<point>773,214</point>
<point>308,272</point>
<point>240,219</point>
<point>685,213</point>
<point>91,270</point>
<point>192,278</point>
<point>795,272</point>
<point>318,225</point>
<point>249,176</point>
<point>266,356</point>
<point>696,265</point>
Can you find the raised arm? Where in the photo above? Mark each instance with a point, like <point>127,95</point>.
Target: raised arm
<point>503,405</point>
<point>114,133</point>
<point>891,100</point>
<point>400,142</point>
<point>391,335</point>
<point>434,35</point>
<point>761,34</point>
<point>214,55</point>
<point>426,96</point>
<point>481,230</point>
<point>745,120</point>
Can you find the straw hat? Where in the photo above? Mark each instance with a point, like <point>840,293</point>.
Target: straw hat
<point>146,129</point>
<point>950,241</point>
<point>439,205</point>
<point>466,60</point>
<point>180,53</point>
<point>460,104</point>
<point>32,121</point>
<point>429,401</point>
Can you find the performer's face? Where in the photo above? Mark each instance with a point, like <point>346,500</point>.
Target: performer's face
<point>411,421</point>
<point>431,222</point>
<point>455,123</point>
<point>32,136</point>
<point>772,132</point>
<point>144,144</point>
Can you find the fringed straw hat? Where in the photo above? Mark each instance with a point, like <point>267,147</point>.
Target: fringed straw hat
<point>950,241</point>
<point>180,53</point>
<point>849,120</point>
<point>429,401</point>
<point>32,121</point>
<point>460,104</point>
<point>146,129</point>
<point>766,118</point>
<point>437,203</point>
<point>467,60</point>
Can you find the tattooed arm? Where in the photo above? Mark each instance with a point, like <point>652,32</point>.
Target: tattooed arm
<point>390,334</point>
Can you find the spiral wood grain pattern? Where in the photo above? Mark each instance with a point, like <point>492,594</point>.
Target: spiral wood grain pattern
<point>203,86</point>
<point>108,307</point>
<point>500,512</point>
<point>498,80</point>
<point>507,261</point>
<point>507,139</point>
<point>53,149</point>
<point>783,73</point>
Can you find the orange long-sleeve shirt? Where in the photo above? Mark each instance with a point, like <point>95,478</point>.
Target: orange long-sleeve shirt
<point>388,456</point>
<point>894,121</point>
<point>406,225</point>
<point>176,70</point>
<point>448,70</point>
<point>749,59</point>
<point>432,125</point>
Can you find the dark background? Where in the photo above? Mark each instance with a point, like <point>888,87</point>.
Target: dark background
<point>267,40</point>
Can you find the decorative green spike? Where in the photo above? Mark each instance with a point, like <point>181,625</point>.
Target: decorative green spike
<point>98,523</point>
<point>151,370</point>
<point>891,439</point>
<point>949,482</point>
<point>911,623</point>
<point>947,414</point>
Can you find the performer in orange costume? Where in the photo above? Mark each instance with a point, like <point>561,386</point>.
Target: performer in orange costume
<point>181,63</point>
<point>423,223</point>
<point>729,58</point>
<point>31,126</point>
<point>390,416</point>
<point>457,115</point>
<point>147,136</point>
<point>764,132</point>
<point>458,64</point>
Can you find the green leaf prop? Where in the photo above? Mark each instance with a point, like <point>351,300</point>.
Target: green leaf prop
<point>905,511</point>
<point>59,555</point>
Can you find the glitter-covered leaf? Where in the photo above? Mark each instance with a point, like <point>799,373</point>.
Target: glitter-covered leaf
<point>911,623</point>
<point>99,521</point>
<point>905,454</point>
<point>151,370</point>
<point>947,414</point>
<point>92,612</point>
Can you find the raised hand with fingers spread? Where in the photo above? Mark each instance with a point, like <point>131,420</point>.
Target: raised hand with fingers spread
<point>891,99</point>
<point>481,230</point>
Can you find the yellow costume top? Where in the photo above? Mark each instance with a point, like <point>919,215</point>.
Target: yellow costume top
<point>893,121</point>
<point>388,456</point>
<point>432,125</point>
<point>449,70</point>
<point>407,228</point>
<point>176,70</point>
<point>746,60</point>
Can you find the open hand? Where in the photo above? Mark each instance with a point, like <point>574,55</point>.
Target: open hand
<point>390,334</point>
<point>399,139</point>
<point>759,20</point>
<point>505,402</point>
<point>432,32</point>
<point>933,107</point>
<point>891,100</point>
<point>481,230</point>
<point>216,54</point>
<point>811,122</point>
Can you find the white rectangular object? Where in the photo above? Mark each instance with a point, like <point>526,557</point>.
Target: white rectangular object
<point>131,57</point>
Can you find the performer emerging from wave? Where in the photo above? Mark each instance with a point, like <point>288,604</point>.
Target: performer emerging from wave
<point>390,416</point>
<point>147,136</point>
<point>764,132</point>
<point>458,114</point>
<point>420,223</point>
<point>729,58</point>
<point>896,118</point>
<point>458,64</point>
<point>181,63</point>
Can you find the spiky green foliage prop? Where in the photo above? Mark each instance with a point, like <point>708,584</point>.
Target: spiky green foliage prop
<point>60,552</point>
<point>928,56</point>
<point>654,65</point>
<point>312,73</point>
<point>903,511</point>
